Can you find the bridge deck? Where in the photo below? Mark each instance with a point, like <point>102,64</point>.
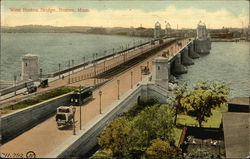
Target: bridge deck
<point>45,137</point>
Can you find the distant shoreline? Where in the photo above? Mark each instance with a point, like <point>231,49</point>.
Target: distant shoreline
<point>229,40</point>
<point>77,29</point>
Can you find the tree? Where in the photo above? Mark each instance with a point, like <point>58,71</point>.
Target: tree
<point>151,123</point>
<point>144,102</point>
<point>180,94</point>
<point>205,97</point>
<point>161,149</point>
<point>116,137</point>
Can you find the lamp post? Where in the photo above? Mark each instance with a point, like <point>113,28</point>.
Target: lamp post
<point>15,83</point>
<point>59,65</point>
<point>79,100</point>
<point>41,72</point>
<point>74,126</point>
<point>131,79</point>
<point>104,60</point>
<point>100,108</point>
<point>141,73</point>
<point>94,73</point>
<point>84,62</point>
<point>69,72</point>
<point>118,84</point>
<point>72,65</point>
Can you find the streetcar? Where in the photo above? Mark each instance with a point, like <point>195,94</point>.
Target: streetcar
<point>81,95</point>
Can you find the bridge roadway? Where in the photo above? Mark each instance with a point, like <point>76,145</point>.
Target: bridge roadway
<point>45,137</point>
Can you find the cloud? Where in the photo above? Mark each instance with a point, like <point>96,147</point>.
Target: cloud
<point>185,18</point>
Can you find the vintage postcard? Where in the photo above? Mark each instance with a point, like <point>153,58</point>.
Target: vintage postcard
<point>125,79</point>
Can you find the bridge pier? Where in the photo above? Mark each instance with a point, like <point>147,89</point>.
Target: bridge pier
<point>192,53</point>
<point>185,59</point>
<point>202,46</point>
<point>178,67</point>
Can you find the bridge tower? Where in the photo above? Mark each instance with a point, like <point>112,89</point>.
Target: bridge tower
<point>157,31</point>
<point>202,43</point>
<point>168,30</point>
<point>30,67</point>
<point>201,31</point>
<point>160,72</point>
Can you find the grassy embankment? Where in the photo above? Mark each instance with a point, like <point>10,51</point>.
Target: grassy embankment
<point>37,99</point>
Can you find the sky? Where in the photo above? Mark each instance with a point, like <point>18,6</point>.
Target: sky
<point>184,14</point>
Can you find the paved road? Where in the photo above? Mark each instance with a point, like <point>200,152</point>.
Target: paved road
<point>45,137</point>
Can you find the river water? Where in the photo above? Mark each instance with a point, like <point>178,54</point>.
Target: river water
<point>55,48</point>
<point>227,62</point>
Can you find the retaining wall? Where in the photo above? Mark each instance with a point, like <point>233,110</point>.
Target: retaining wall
<point>18,86</point>
<point>15,123</point>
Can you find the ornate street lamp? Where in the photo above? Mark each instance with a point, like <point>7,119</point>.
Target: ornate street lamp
<point>74,126</point>
<point>100,108</point>
<point>118,84</point>
<point>131,79</point>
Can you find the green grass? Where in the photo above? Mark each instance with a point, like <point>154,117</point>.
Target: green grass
<point>213,122</point>
<point>102,154</point>
<point>39,98</point>
<point>177,135</point>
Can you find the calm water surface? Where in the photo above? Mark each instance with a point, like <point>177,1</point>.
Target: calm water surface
<point>227,62</point>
